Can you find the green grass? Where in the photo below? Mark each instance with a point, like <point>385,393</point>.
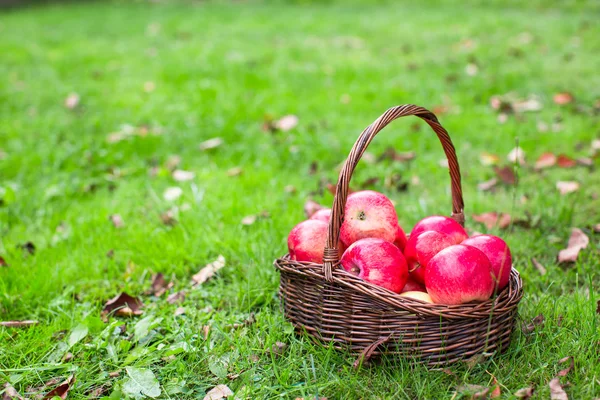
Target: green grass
<point>218,70</point>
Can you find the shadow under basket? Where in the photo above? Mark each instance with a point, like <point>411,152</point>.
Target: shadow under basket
<point>336,307</point>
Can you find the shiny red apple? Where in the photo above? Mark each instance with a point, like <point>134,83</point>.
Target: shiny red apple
<point>421,248</point>
<point>400,240</point>
<point>413,286</point>
<point>376,261</point>
<point>323,214</point>
<point>368,214</point>
<point>498,253</point>
<point>306,242</point>
<point>459,274</point>
<point>441,224</point>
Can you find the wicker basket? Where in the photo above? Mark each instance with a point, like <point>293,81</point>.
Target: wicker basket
<point>332,305</point>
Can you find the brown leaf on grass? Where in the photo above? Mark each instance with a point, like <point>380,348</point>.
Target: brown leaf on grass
<point>160,285</point>
<point>566,187</point>
<point>311,207</point>
<point>98,391</point>
<point>251,219</point>
<point>18,324</point>
<point>488,159</point>
<point>10,393</point>
<point>516,156</point>
<point>168,217</point>
<point>443,163</point>
<point>506,175</point>
<point>29,247</point>
<point>3,262</point>
<point>313,168</point>
<point>235,171</point>
<point>61,390</point>
<point>114,374</point>
<point>530,327</point>
<point>219,392</point>
<point>487,185</point>
<point>565,371</point>
<point>596,228</point>
<point>208,271</point>
<point>556,390</point>
<point>177,297</point>
<point>524,393</point>
<point>546,160</point>
<point>585,161</point>
<point>205,331</point>
<point>473,391</point>
<point>496,393</point>
<point>173,162</point>
<point>182,176</point>
<point>210,144</point>
<point>476,359</point>
<point>391,154</point>
<point>598,307</point>
<point>291,189</point>
<point>247,322</point>
<point>492,219</point>
<point>563,98</point>
<point>538,265</point>
<point>370,182</point>
<point>565,161</point>
<point>278,348</point>
<point>577,242</point>
<point>123,305</point>
<point>179,311</point>
<point>72,101</point>
<point>440,110</point>
<point>117,221</point>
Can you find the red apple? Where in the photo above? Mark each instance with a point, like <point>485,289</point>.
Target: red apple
<point>413,286</point>
<point>459,274</point>
<point>441,224</point>
<point>400,240</point>
<point>376,261</point>
<point>368,214</point>
<point>421,248</point>
<point>307,240</point>
<point>322,215</point>
<point>418,296</point>
<point>498,253</point>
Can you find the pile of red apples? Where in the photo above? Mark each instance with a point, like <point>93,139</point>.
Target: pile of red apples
<point>439,263</point>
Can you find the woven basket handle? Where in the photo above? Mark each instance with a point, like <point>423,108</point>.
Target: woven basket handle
<point>331,255</point>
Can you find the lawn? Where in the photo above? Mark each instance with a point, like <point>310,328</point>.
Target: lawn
<point>89,183</point>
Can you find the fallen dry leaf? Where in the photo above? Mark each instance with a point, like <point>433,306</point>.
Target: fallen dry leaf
<point>179,311</point>
<point>444,163</point>
<point>205,331</point>
<point>115,374</point>
<point>208,271</point>
<point>598,307</point>
<point>577,242</point>
<point>524,393</point>
<point>117,221</point>
<point>530,327</point>
<point>492,219</point>
<point>248,321</point>
<point>72,101</point>
<point>311,207</point>
<point>278,348</point>
<point>290,189</point>
<point>474,391</point>
<point>18,324</point>
<point>440,110</point>
<point>10,393</point>
<point>566,187</point>
<point>538,265</point>
<point>391,154</point>
<point>160,285</point>
<point>172,193</point>
<point>251,219</point>
<point>218,392</point>
<point>235,171</point>
<point>488,159</point>
<point>181,176</point>
<point>546,160</point>
<point>172,162</point>
<point>313,168</point>
<point>210,144</point>
<point>563,98</point>
<point>61,390</point>
<point>286,123</point>
<point>29,247</point>
<point>585,161</point>
<point>565,161</point>
<point>496,391</point>
<point>177,297</point>
<point>596,228</point>
<point>123,305</point>
<point>98,391</point>
<point>168,217</point>
<point>3,262</point>
<point>556,389</point>
<point>506,175</point>
<point>471,69</point>
<point>516,156</point>
<point>487,185</point>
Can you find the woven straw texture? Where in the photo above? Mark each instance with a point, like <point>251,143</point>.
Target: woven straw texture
<point>332,305</point>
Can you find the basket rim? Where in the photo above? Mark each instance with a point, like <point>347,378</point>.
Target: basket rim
<point>503,302</point>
